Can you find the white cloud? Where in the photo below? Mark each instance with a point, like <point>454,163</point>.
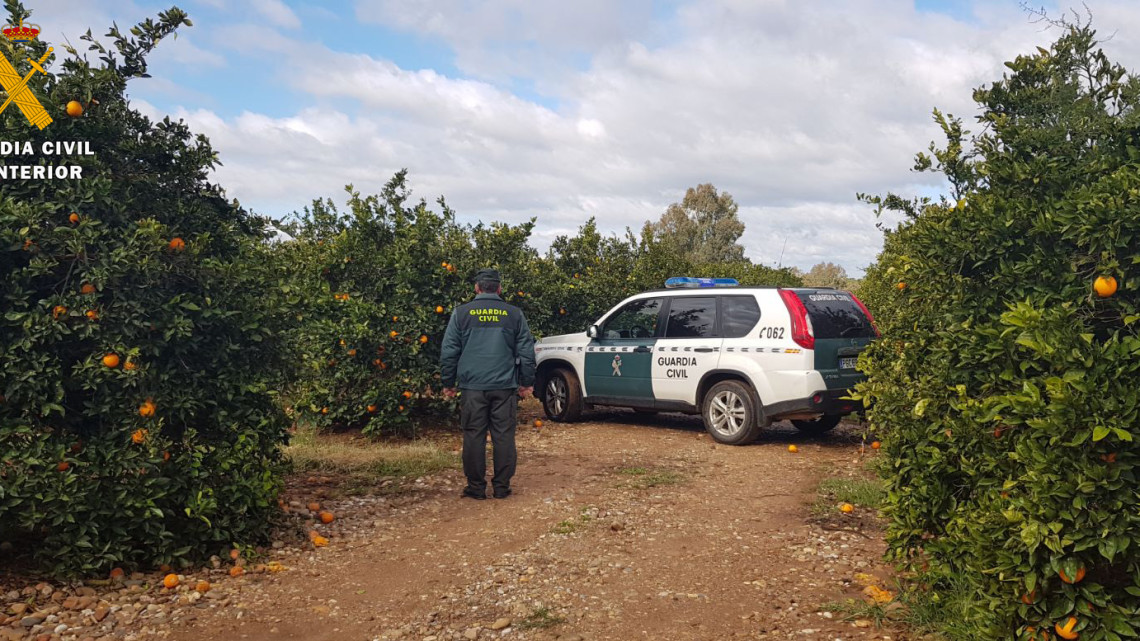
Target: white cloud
<point>277,13</point>
<point>792,107</point>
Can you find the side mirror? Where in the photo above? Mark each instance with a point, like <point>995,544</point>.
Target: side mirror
<point>592,332</point>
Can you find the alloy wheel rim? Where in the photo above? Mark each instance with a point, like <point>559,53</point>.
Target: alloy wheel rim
<point>727,413</point>
<point>556,396</point>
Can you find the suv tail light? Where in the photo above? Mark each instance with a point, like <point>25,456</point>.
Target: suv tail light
<point>801,324</point>
<point>867,312</point>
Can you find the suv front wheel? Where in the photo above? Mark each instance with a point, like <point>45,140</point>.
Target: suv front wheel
<point>730,413</point>
<point>562,396</point>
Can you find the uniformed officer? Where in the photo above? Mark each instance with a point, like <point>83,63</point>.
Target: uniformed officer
<point>488,353</point>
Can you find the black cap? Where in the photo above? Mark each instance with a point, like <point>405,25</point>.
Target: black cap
<point>487,274</point>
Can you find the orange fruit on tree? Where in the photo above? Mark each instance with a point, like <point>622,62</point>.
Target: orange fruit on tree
<point>376,362</point>
<point>111,360</point>
<point>202,586</point>
<point>1108,458</point>
<point>393,334</point>
<point>423,338</point>
<point>342,343</point>
<point>1065,631</point>
<point>847,508</point>
<point>395,318</point>
<point>327,517</point>
<point>129,366</point>
<point>371,409</point>
<point>1029,599</point>
<point>562,311</point>
<point>380,350</point>
<point>521,293</point>
<point>399,408</point>
<point>74,108</point>
<point>234,554</point>
<point>138,436</point>
<point>63,465</point>
<point>314,506</point>
<point>1079,577</point>
<point>58,310</point>
<point>439,309</point>
<point>74,218</point>
<point>146,410</point>
<point>793,449</point>
<point>237,571</point>
<point>166,456</point>
<point>1105,286</point>
<point>407,394</point>
<point>170,581</point>
<point>352,352</point>
<point>87,288</point>
<point>91,314</point>
<point>901,286</point>
<point>176,244</point>
<point>324,410</point>
<point>443,264</point>
<point>876,445</point>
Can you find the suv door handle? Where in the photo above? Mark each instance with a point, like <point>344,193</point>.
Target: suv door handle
<point>642,348</point>
<point>702,349</point>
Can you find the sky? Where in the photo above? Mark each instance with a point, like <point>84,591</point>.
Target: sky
<point>562,111</point>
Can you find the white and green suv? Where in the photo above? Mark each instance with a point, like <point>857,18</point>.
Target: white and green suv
<point>742,357</point>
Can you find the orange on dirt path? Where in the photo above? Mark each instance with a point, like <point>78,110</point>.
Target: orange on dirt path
<point>327,517</point>
<point>111,360</point>
<point>170,581</point>
<point>320,541</point>
<point>234,554</point>
<point>793,449</point>
<point>847,508</point>
<point>1105,286</point>
<point>117,573</point>
<point>202,586</point>
<point>74,108</point>
<point>237,570</point>
<point>314,506</point>
<point>538,422</point>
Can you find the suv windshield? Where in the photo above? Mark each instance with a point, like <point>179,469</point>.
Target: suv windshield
<point>835,314</point>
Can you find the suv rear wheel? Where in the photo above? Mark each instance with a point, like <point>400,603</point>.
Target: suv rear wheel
<point>562,396</point>
<point>730,413</point>
<point>817,426</point>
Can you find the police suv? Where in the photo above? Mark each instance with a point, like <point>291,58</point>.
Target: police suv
<point>742,357</point>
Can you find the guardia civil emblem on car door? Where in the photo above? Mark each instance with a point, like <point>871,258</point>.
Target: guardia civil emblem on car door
<point>617,365</point>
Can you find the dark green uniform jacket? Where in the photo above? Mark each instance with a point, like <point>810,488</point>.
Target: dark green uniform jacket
<point>483,340</point>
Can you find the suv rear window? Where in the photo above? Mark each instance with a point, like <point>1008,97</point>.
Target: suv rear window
<point>835,314</point>
<point>740,314</point>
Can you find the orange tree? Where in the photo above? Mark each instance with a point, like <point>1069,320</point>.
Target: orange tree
<point>1005,382</point>
<point>377,284</point>
<point>138,335</point>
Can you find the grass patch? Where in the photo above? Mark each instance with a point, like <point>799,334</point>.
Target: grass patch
<point>940,613</point>
<point>540,619</point>
<point>643,478</point>
<point>570,526</point>
<point>360,462</point>
<point>869,493</point>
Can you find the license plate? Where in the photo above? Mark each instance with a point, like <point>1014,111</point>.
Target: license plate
<point>848,362</point>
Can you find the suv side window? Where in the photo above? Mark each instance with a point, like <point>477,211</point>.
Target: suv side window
<point>739,314</point>
<point>691,317</point>
<point>637,319</point>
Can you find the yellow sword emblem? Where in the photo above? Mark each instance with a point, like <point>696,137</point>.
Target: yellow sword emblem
<point>19,93</point>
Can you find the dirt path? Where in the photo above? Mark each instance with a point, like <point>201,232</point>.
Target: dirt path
<point>616,531</point>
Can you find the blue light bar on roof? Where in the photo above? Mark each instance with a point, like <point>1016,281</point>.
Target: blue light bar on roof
<point>687,281</point>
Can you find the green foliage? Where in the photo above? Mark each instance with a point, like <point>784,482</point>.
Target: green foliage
<point>702,228</point>
<point>194,329</point>
<point>1003,386</point>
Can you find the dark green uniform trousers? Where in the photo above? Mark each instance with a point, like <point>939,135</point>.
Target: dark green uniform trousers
<point>493,410</point>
